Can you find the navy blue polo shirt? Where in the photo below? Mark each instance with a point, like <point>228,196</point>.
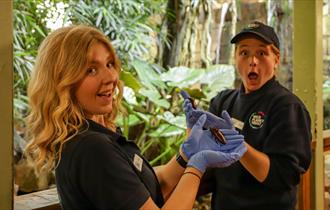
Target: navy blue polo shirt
<point>100,169</point>
<point>273,121</point>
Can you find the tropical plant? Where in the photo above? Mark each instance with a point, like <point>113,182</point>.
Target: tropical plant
<point>155,116</point>
<point>132,25</point>
<point>29,30</point>
<point>326,104</point>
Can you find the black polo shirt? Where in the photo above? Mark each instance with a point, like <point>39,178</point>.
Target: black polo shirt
<point>273,121</point>
<point>100,169</point>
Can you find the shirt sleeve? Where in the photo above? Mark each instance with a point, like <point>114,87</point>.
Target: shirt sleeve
<point>288,146</point>
<point>105,177</point>
<point>215,103</point>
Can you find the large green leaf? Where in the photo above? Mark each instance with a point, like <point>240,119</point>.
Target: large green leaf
<point>154,96</point>
<point>217,78</point>
<point>182,76</point>
<point>166,130</point>
<point>178,121</point>
<point>132,120</point>
<point>147,75</point>
<point>129,96</point>
<point>130,81</point>
<point>145,117</point>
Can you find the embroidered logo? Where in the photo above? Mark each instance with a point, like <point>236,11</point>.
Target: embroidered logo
<point>253,25</point>
<point>138,162</point>
<point>256,120</point>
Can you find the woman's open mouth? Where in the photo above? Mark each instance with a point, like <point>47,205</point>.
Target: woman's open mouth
<point>105,95</point>
<point>253,76</point>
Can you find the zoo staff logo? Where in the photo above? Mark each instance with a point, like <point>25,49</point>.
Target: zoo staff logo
<point>256,120</point>
<point>253,25</point>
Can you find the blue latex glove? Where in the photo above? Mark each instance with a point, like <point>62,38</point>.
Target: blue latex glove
<point>230,134</point>
<point>212,121</point>
<point>200,139</point>
<point>215,159</point>
<point>240,150</point>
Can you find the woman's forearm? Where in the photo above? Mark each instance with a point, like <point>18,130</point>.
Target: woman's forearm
<point>184,193</point>
<point>256,162</point>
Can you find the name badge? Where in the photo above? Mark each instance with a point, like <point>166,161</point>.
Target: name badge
<point>237,123</point>
<point>138,162</point>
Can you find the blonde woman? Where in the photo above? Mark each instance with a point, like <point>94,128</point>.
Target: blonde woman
<point>75,95</point>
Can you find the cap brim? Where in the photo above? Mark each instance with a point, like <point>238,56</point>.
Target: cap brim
<point>244,33</point>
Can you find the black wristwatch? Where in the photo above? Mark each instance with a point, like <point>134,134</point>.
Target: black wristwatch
<point>181,161</point>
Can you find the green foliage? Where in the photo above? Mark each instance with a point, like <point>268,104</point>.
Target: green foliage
<point>155,117</point>
<point>128,23</point>
<point>326,104</point>
<point>29,30</point>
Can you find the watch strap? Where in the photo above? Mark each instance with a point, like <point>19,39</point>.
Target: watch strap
<point>181,161</point>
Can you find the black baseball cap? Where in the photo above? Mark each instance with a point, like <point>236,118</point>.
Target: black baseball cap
<point>263,31</point>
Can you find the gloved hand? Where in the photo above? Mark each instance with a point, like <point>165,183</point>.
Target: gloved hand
<point>240,150</point>
<point>216,159</point>
<point>231,136</point>
<point>200,139</point>
<point>212,121</point>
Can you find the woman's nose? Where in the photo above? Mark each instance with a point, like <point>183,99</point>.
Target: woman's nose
<point>253,61</point>
<point>109,76</point>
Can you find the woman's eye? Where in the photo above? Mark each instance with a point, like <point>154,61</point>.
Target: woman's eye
<point>110,64</point>
<point>263,53</point>
<point>243,53</point>
<point>91,71</point>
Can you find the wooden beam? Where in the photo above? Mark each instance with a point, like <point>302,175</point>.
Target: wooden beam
<point>6,104</point>
<point>307,84</point>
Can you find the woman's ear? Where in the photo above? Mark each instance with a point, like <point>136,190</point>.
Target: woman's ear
<point>277,61</point>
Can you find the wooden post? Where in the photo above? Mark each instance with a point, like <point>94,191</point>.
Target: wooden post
<point>307,84</point>
<point>6,104</point>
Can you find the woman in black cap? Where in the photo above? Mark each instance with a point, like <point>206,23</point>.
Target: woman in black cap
<point>274,122</point>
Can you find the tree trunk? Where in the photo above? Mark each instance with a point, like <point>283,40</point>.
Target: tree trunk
<point>197,31</point>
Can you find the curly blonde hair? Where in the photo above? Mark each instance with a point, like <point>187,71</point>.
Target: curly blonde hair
<point>55,116</point>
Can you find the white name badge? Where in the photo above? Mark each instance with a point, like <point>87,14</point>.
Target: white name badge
<point>138,162</point>
<point>237,123</point>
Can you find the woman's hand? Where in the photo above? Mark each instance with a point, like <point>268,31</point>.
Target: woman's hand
<point>200,139</point>
<point>216,159</point>
<point>212,121</point>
